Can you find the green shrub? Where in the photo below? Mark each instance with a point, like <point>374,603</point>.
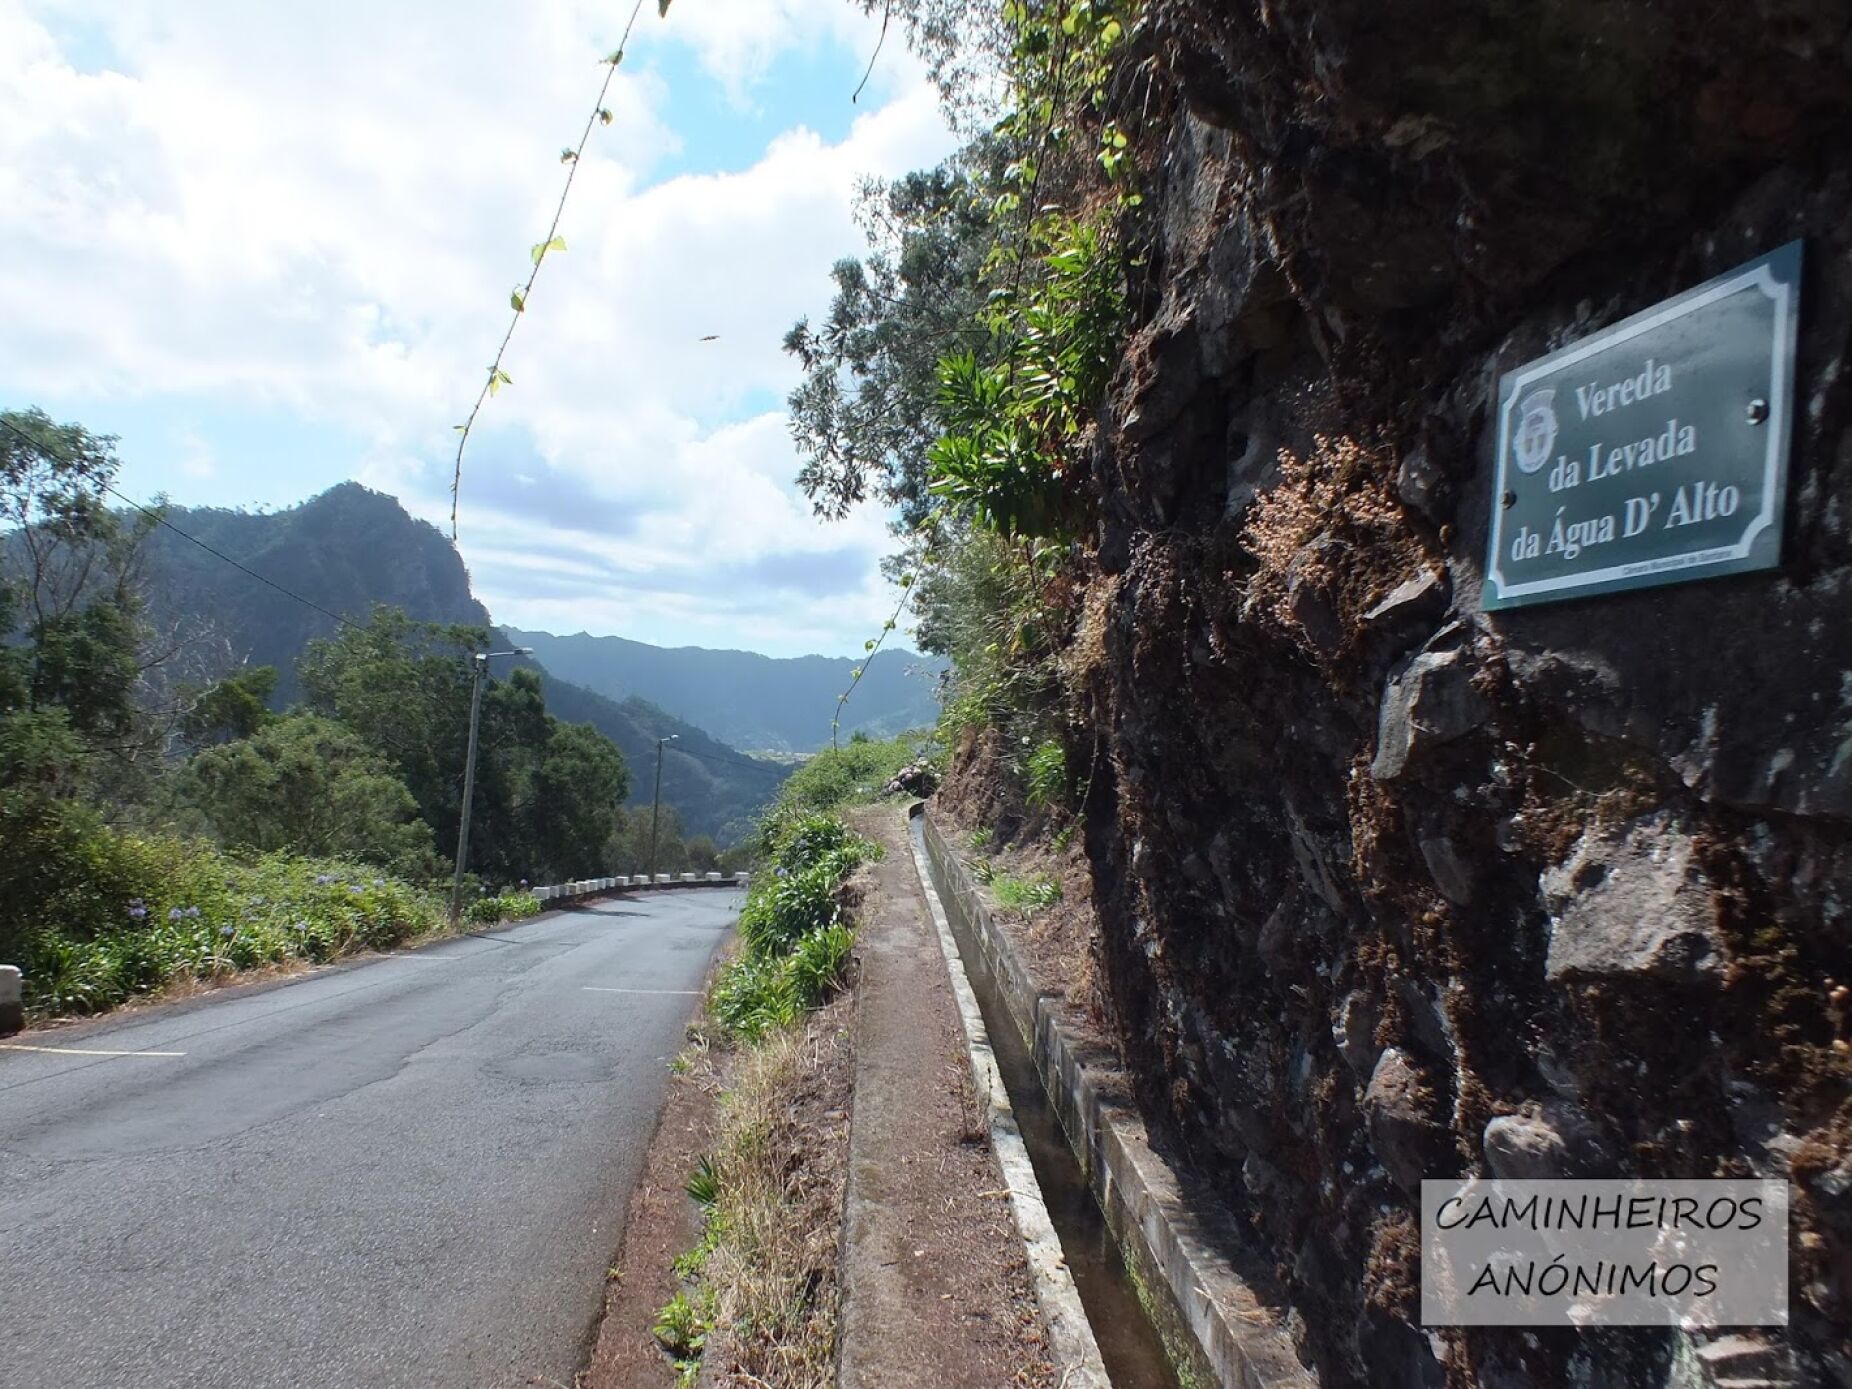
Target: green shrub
<point>704,1181</point>
<point>816,965</point>
<point>801,840</point>
<point>753,996</point>
<point>795,940</point>
<point>1046,775</point>
<point>679,1327</point>
<point>1025,894</point>
<point>506,906</point>
<point>853,773</point>
<point>116,915</point>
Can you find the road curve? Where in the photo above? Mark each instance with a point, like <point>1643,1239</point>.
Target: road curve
<point>409,1172</point>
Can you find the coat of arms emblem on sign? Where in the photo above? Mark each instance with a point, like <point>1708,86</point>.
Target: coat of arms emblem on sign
<point>1536,433</point>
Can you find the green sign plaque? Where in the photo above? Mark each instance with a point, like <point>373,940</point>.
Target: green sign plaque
<point>1655,451</point>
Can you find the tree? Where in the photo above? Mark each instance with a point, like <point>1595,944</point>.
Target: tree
<point>545,793</point>
<point>236,707</point>
<point>579,790</point>
<point>868,408</point>
<point>310,786</point>
<point>404,687</point>
<point>69,568</point>
<point>965,45</point>
<point>628,849</point>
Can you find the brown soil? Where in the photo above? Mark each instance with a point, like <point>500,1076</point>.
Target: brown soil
<point>937,1291</point>
<point>662,1222</point>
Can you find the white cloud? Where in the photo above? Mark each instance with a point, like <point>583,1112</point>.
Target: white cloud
<point>320,211</point>
<point>197,459</point>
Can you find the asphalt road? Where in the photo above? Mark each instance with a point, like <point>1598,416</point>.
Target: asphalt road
<point>410,1172</point>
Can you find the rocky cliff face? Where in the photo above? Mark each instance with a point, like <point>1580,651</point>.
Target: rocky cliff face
<point>1393,887</point>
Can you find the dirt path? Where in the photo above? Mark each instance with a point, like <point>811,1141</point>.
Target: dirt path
<point>937,1291</point>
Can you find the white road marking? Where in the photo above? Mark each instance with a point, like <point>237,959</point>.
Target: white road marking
<point>682,993</point>
<point>84,1051</point>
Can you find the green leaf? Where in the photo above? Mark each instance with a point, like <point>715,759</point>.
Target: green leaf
<point>460,428</point>
<point>604,115</point>
<point>1109,35</point>
<point>540,250</point>
<point>517,301</point>
<point>662,9</point>
<point>869,645</point>
<point>616,58</point>
<point>497,379</point>
<point>567,156</point>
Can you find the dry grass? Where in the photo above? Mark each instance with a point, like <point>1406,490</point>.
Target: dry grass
<point>1333,531</point>
<point>769,1282</point>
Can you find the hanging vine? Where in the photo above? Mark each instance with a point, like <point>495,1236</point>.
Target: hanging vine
<point>517,300</point>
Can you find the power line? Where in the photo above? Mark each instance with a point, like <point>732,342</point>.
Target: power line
<point>271,583</point>
<point>159,519</point>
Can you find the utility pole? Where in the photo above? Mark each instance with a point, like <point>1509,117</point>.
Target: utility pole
<point>656,806</point>
<point>481,664</point>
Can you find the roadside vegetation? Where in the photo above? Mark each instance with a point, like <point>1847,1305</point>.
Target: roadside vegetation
<point>759,1299</point>
<point>957,371</point>
<point>759,1289</point>
<point>855,773</point>
<point>160,911</point>
<point>794,938</point>
<point>162,822</point>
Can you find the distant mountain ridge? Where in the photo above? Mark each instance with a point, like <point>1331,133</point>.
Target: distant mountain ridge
<point>748,700</point>
<point>351,548</point>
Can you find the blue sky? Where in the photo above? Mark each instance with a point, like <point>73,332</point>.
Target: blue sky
<point>271,249</point>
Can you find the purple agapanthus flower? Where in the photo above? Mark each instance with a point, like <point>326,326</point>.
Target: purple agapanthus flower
<point>174,914</point>
<point>227,932</point>
<point>323,879</point>
<point>355,888</point>
<point>137,908</point>
<point>379,882</point>
<point>193,913</point>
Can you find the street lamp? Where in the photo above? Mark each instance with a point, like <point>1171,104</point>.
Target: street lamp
<point>656,805</point>
<point>469,771</point>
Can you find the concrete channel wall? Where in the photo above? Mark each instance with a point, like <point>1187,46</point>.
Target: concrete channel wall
<point>1203,1309</point>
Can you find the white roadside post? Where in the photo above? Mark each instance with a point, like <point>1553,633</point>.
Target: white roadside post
<point>12,1000</point>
